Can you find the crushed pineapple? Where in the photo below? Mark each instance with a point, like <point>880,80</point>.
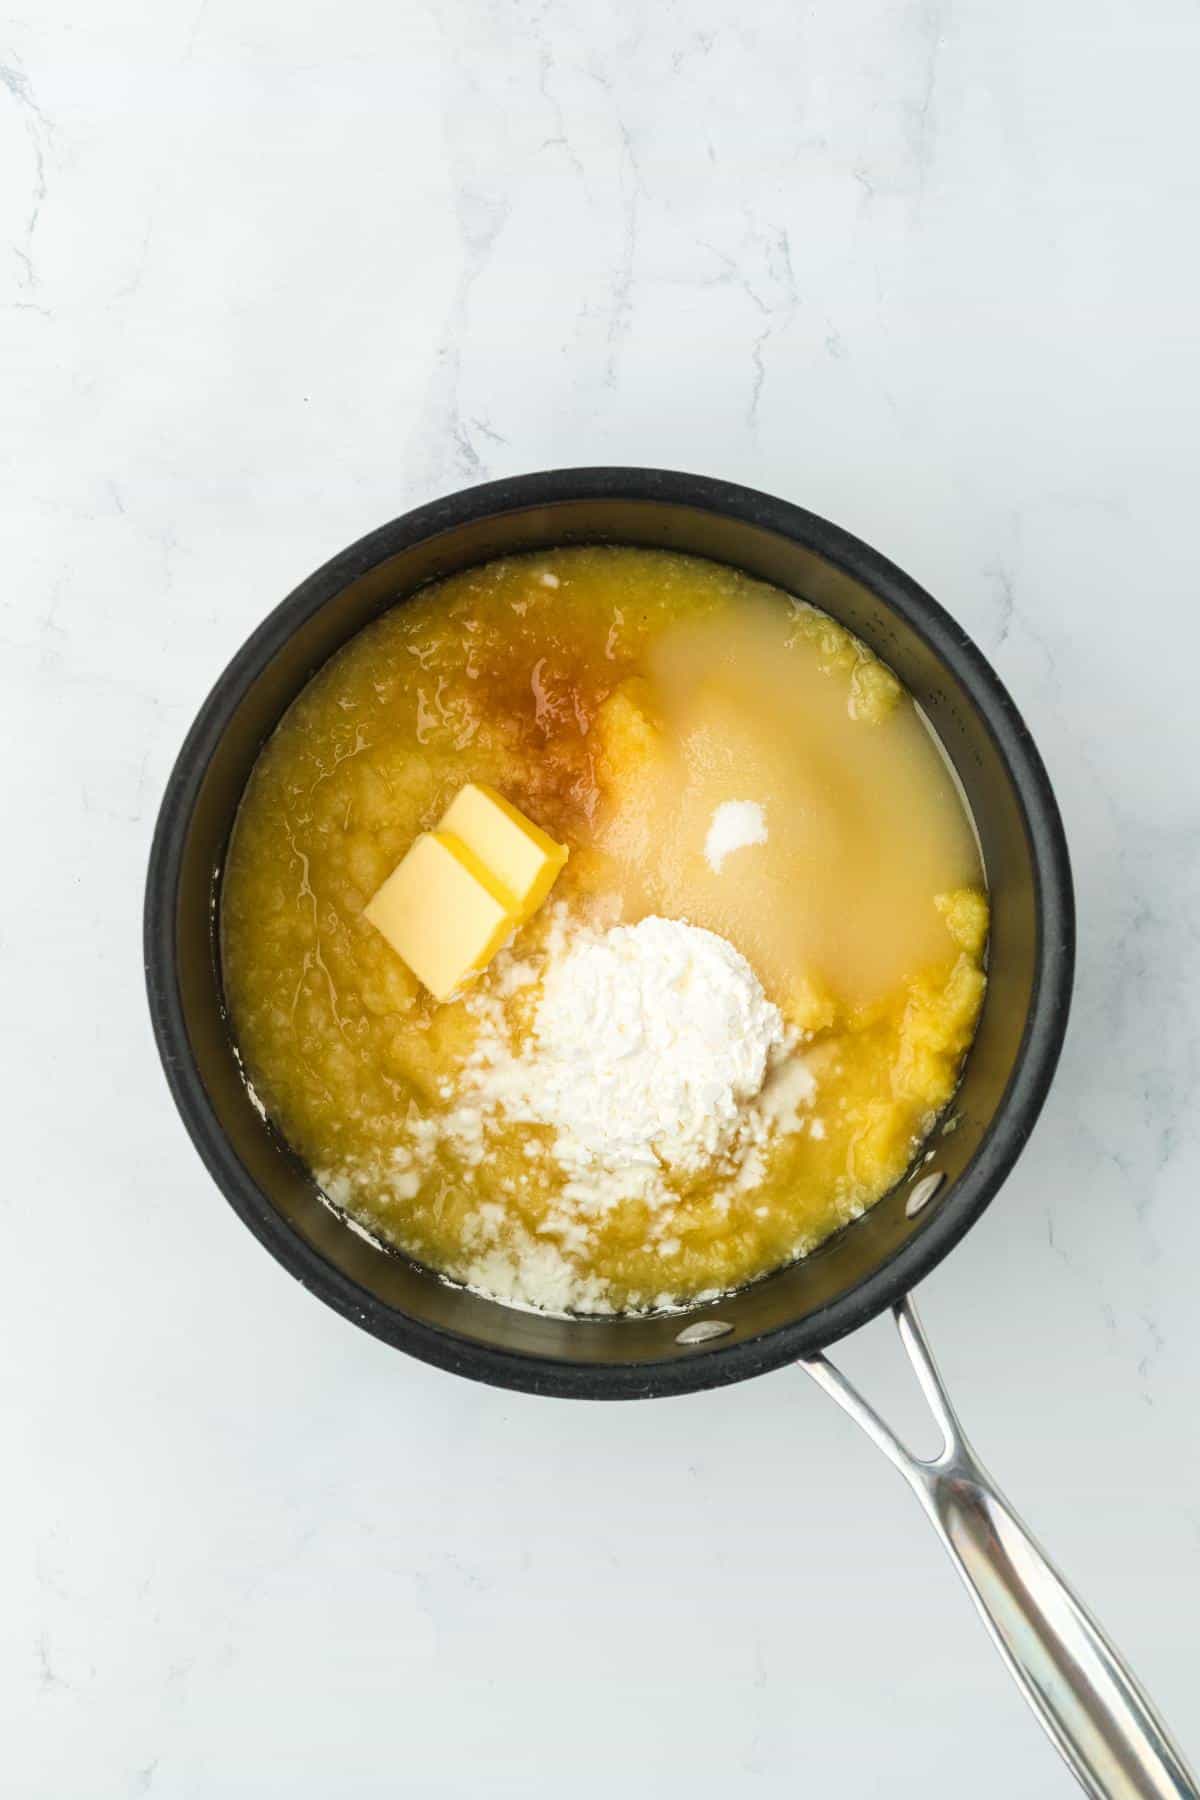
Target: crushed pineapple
<point>617,705</point>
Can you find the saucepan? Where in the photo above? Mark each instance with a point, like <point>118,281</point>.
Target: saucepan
<point>1085,1697</point>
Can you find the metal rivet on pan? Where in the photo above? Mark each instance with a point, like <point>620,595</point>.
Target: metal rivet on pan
<point>922,1194</point>
<point>702,1331</point>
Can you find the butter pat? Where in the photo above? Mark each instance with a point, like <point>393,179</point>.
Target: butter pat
<point>463,889</point>
<point>516,853</point>
<point>440,915</point>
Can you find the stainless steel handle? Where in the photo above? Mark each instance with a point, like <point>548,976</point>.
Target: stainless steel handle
<point>1086,1698</point>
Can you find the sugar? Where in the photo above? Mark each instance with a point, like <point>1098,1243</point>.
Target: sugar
<point>735,825</point>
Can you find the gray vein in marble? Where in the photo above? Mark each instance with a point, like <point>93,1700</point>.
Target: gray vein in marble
<point>930,20</point>
<point>561,139</point>
<point>1001,580</point>
<point>762,271</point>
<point>488,431</point>
<point>698,44</point>
<point>16,83</point>
<point>138,272</point>
<point>778,314</point>
<point>1146,1363</point>
<point>1013,617</point>
<point>189,48</point>
<point>1050,1237</point>
<point>863,177</point>
<point>621,301</point>
<point>48,1675</point>
<point>481,218</point>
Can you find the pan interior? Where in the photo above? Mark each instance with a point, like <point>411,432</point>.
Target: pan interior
<point>852,1274</point>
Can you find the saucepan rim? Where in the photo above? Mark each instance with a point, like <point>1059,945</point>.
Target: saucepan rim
<point>1014,1116</point>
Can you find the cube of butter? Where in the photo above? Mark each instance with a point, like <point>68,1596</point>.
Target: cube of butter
<point>521,858</point>
<point>438,911</point>
<point>450,903</point>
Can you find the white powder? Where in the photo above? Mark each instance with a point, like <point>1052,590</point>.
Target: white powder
<point>649,1041</point>
<point>791,1086</point>
<point>652,1057</point>
<point>735,825</point>
<point>648,1044</point>
<point>528,1273</point>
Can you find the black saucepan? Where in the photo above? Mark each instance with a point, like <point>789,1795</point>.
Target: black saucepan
<point>873,1263</point>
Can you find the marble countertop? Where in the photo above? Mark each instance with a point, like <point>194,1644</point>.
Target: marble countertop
<point>271,274</point>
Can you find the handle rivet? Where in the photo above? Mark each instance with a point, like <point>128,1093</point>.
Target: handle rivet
<point>702,1331</point>
<point>923,1193</point>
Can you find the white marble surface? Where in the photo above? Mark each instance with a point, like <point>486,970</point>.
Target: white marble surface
<point>271,273</point>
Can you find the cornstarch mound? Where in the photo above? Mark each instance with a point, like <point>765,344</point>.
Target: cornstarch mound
<point>655,1054</point>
